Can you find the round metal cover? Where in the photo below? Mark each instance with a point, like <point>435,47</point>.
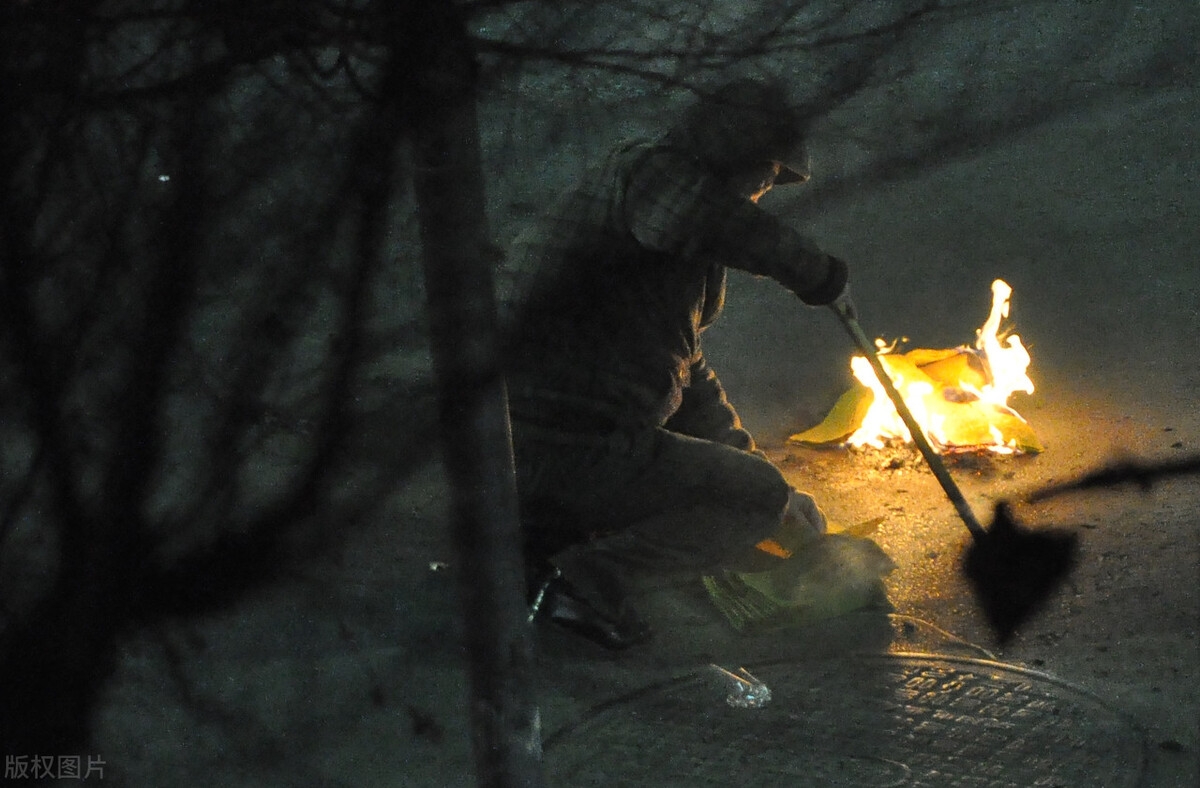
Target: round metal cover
<point>879,720</point>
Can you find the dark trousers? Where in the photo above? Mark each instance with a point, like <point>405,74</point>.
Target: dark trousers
<point>603,506</point>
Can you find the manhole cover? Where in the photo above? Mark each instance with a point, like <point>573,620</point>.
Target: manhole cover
<point>880,720</point>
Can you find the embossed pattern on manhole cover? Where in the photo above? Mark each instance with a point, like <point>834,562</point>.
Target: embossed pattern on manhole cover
<point>879,720</point>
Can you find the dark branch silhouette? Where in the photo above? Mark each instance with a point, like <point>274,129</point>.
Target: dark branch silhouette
<point>1144,474</point>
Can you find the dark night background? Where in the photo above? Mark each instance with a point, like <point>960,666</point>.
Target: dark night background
<point>224,551</point>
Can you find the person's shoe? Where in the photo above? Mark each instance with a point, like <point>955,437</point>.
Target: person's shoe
<point>556,601</point>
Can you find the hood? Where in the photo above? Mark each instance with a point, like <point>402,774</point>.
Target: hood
<point>741,124</point>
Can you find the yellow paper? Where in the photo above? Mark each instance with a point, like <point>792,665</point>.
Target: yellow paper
<point>845,417</point>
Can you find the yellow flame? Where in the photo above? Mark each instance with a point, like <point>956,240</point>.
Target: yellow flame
<point>1006,362</point>
<point>882,422</point>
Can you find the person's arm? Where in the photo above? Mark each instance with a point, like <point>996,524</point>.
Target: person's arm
<point>671,205</point>
<point>705,411</point>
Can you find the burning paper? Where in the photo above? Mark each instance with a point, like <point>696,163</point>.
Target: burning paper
<point>959,396</point>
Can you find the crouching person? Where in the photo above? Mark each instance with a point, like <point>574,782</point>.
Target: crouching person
<point>629,456</point>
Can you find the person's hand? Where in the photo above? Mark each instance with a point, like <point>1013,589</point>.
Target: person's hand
<point>803,521</point>
<point>843,304</point>
<point>835,285</point>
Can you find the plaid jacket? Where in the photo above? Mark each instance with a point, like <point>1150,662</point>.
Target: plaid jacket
<point>613,293</point>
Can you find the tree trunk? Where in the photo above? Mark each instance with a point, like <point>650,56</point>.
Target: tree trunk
<point>477,445</point>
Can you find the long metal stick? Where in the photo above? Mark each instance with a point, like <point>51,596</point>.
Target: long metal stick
<point>845,312</point>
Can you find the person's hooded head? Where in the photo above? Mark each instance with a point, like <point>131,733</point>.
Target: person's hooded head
<point>746,133</point>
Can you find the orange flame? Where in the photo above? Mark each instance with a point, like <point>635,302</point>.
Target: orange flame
<point>959,397</point>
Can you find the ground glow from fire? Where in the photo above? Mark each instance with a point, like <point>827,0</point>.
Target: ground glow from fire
<point>991,372</point>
